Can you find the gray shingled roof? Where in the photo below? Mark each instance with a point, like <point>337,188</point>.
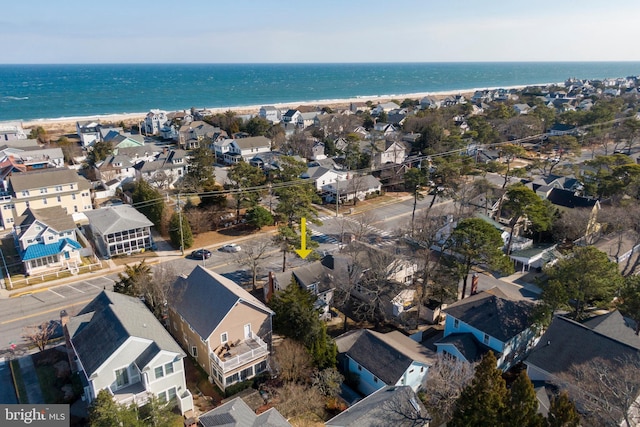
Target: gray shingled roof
<point>236,413</point>
<point>386,357</point>
<point>117,218</point>
<point>204,298</point>
<point>467,345</point>
<point>498,317</point>
<point>614,325</point>
<point>104,324</point>
<point>46,178</point>
<point>389,406</point>
<point>55,217</point>
<point>566,342</point>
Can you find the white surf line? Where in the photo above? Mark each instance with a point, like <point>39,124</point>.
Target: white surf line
<point>52,291</point>
<point>75,289</point>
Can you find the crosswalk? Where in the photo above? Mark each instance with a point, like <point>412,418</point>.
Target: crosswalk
<point>381,237</point>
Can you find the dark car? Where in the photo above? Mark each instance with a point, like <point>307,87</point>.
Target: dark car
<point>201,254</point>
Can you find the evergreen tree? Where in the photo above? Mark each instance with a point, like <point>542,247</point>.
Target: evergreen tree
<point>134,279</point>
<point>201,173</point>
<point>482,402</point>
<point>562,412</point>
<point>259,217</point>
<point>148,201</point>
<point>522,404</point>
<point>104,412</point>
<point>184,238</point>
<point>243,178</point>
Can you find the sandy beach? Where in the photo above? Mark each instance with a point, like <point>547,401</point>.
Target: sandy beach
<point>68,124</point>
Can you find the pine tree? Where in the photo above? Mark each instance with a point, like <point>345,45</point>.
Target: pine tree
<point>522,404</point>
<point>148,201</point>
<point>179,239</point>
<point>562,412</point>
<point>482,402</point>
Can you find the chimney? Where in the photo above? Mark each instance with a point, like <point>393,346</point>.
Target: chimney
<point>269,289</point>
<point>64,320</point>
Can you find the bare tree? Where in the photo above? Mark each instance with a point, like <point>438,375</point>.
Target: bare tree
<point>360,225</point>
<point>606,390</point>
<point>292,361</point>
<point>573,224</point>
<point>199,220</point>
<point>39,335</point>
<point>447,378</point>
<point>297,400</point>
<point>327,381</point>
<point>253,256</point>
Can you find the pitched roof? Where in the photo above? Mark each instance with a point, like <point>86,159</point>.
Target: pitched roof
<point>566,342</point>
<point>252,142</point>
<point>467,345</point>
<point>204,298</point>
<point>389,406</point>
<point>112,219</point>
<point>614,325</point>
<point>104,324</point>
<point>568,199</point>
<point>46,178</point>
<point>55,217</point>
<point>494,315</point>
<point>236,413</point>
<point>385,356</point>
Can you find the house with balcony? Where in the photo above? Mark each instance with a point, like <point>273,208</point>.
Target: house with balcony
<point>116,344</point>
<point>271,113</point>
<point>225,328</point>
<point>43,189</point>
<point>154,121</point>
<point>46,240</point>
<point>488,321</point>
<point>231,151</point>
<point>89,132</point>
<point>118,230</point>
<point>168,167</point>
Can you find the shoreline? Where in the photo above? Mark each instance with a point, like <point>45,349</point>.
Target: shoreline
<point>66,124</point>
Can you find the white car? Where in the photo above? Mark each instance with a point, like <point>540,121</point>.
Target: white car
<point>231,247</point>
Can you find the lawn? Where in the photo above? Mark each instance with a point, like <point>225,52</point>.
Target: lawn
<point>56,381</point>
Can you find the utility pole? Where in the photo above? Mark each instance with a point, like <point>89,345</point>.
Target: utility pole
<point>6,269</point>
<point>337,194</point>
<point>180,222</point>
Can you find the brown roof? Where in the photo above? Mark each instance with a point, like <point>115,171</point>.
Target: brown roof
<point>46,178</point>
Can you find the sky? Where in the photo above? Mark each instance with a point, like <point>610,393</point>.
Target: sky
<point>321,31</point>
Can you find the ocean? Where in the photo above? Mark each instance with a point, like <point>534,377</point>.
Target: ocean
<point>31,92</point>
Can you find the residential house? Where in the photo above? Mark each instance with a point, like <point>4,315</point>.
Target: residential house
<point>28,159</point>
<point>389,152</point>
<point>388,406</point>
<point>89,132</point>
<point>236,413</point>
<point>317,151</point>
<point>225,328</point>
<point>384,129</point>
<point>270,160</point>
<point>486,321</point>
<point>521,109</point>
<point>123,140</point>
<point>11,132</point>
<point>154,121</point>
<point>46,239</point>
<point>168,167</point>
<point>352,187</point>
<point>314,278</point>
<point>271,113</point>
<point>241,149</point>
<point>291,117</point>
<point>566,344</point>
<point>191,134</point>
<point>117,166</point>
<point>42,189</point>
<point>381,360</point>
<point>118,230</point>
<point>429,103</point>
<point>621,247</point>
<point>307,119</point>
<point>559,129</point>
<point>384,107</point>
<point>117,345</point>
<point>322,177</point>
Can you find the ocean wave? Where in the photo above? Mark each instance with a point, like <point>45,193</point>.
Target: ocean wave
<point>15,98</point>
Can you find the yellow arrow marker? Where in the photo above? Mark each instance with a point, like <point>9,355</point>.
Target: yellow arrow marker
<point>303,252</point>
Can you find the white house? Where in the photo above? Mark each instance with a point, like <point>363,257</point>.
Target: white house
<point>292,117</point>
<point>271,113</point>
<point>241,149</point>
<point>89,132</point>
<point>117,344</point>
<point>154,121</point>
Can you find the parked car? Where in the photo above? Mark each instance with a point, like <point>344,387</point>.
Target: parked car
<point>231,247</point>
<point>201,254</point>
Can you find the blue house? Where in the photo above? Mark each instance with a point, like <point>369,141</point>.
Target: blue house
<point>488,321</point>
<point>381,360</point>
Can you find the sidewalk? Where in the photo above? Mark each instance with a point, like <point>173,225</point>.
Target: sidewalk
<point>30,378</point>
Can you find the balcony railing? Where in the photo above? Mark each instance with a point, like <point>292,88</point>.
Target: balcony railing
<point>239,354</point>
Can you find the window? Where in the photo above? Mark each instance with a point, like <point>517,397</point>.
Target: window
<point>43,191</point>
<point>168,368</point>
<point>122,377</point>
<point>194,351</point>
<point>58,187</point>
<point>25,192</point>
<point>456,323</point>
<point>71,186</point>
<point>246,373</point>
<point>171,393</point>
<point>485,339</point>
<point>224,337</point>
<point>162,397</point>
<point>159,372</point>
<point>375,379</point>
<point>44,201</point>
<point>75,209</point>
<point>359,368</point>
<point>59,198</point>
